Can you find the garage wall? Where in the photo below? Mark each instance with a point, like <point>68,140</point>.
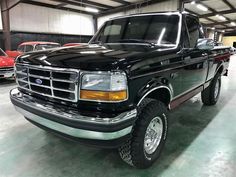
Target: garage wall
<point>229,40</point>
<point>210,34</point>
<point>35,23</point>
<point>170,5</point>
<point>30,18</point>
<point>18,37</point>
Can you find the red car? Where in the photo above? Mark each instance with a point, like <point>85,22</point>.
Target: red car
<point>32,46</point>
<point>6,65</point>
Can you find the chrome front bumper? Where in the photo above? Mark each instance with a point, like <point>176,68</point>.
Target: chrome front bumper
<point>42,112</point>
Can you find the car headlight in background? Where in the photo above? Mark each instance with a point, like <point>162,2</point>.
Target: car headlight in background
<point>104,86</point>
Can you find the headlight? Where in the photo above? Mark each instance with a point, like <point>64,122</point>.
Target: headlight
<point>104,86</point>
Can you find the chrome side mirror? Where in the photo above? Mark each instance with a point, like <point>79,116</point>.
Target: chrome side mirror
<point>205,44</point>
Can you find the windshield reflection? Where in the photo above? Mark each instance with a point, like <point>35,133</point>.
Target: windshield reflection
<point>147,29</point>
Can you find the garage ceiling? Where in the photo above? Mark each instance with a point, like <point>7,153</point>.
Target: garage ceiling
<point>215,14</point>
<point>81,5</point>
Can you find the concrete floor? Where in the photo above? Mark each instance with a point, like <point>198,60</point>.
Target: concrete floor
<point>201,142</point>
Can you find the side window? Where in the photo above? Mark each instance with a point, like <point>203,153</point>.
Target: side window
<point>193,30</point>
<point>112,30</point>
<point>28,48</point>
<point>21,48</point>
<point>185,37</point>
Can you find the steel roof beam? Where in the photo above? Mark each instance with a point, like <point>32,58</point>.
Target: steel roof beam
<point>122,2</point>
<point>75,4</point>
<point>55,7</point>
<point>130,7</point>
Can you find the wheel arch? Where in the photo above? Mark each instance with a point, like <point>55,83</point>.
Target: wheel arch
<point>219,69</point>
<point>161,92</point>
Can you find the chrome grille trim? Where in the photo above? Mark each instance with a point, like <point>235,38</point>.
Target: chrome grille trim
<point>40,77</point>
<point>70,87</point>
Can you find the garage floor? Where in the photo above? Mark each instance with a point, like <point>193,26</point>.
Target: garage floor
<point>201,142</point>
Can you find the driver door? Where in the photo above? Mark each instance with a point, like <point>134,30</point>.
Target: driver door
<point>195,61</point>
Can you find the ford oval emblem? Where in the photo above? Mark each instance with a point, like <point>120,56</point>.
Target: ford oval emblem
<point>38,81</point>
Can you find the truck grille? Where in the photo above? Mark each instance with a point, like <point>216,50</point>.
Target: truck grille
<point>49,81</point>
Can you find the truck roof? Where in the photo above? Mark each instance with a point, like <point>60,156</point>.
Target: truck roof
<point>155,13</point>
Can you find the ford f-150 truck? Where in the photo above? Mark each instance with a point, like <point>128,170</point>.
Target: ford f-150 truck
<point>116,91</point>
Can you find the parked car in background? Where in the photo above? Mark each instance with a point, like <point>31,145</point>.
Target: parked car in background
<point>32,46</point>
<point>74,44</point>
<point>6,65</point>
<point>232,50</point>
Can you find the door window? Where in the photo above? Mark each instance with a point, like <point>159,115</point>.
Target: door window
<point>21,48</point>
<point>28,48</point>
<point>193,30</point>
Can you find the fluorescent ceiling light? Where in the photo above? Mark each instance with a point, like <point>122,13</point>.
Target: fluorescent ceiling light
<point>223,31</point>
<point>233,23</point>
<point>202,7</point>
<point>89,9</point>
<point>193,2</point>
<point>213,28</point>
<point>221,17</point>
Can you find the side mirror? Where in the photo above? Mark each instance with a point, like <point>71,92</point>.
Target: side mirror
<point>205,44</point>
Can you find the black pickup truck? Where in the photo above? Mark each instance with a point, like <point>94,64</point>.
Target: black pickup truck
<point>116,91</point>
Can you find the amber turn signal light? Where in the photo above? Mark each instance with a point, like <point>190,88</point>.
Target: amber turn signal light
<point>103,95</point>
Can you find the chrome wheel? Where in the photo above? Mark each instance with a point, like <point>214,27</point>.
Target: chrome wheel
<point>153,135</point>
<point>217,89</point>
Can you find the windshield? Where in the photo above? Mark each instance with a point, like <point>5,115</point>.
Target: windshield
<point>155,29</point>
<point>46,46</point>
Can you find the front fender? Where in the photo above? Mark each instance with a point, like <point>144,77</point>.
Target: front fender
<point>152,86</point>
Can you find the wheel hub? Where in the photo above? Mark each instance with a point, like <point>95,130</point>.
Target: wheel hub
<point>153,135</point>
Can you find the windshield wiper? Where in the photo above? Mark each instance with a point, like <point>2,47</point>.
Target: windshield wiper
<point>137,41</point>
<point>151,44</point>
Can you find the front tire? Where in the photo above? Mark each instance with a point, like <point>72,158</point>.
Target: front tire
<point>211,94</point>
<point>148,137</point>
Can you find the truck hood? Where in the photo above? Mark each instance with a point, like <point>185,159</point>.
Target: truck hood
<point>93,57</point>
<point>13,54</point>
<point>6,61</point>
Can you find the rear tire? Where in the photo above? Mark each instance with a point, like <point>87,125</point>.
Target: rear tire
<point>148,136</point>
<point>211,94</point>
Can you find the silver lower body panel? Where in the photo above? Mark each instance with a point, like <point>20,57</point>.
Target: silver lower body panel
<point>75,132</point>
<point>29,104</point>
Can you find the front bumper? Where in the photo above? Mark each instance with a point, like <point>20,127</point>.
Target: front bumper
<point>6,72</point>
<point>73,124</point>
